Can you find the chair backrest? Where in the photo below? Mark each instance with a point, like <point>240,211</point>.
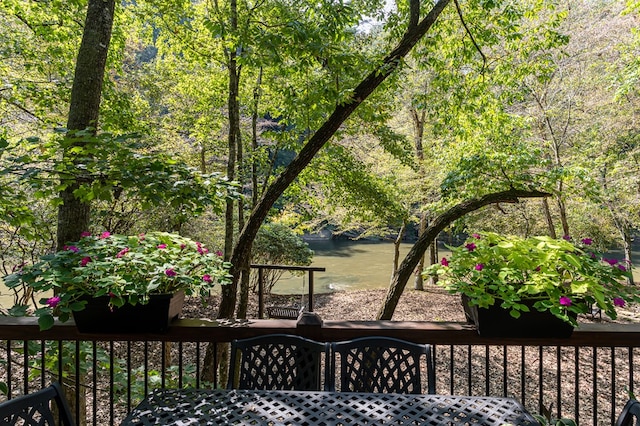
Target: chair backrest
<point>630,415</point>
<point>381,364</point>
<point>277,362</point>
<point>34,409</point>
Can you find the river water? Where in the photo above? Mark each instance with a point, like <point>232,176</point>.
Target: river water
<point>350,265</point>
<point>360,265</point>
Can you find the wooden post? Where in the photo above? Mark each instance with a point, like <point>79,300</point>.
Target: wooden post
<point>260,293</point>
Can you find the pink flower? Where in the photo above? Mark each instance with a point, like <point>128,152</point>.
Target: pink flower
<point>141,237</point>
<point>470,247</point>
<point>85,234</point>
<point>85,260</point>
<point>566,237</point>
<point>587,241</point>
<point>611,262</point>
<point>622,267</point>
<point>52,302</point>
<point>206,278</point>
<point>183,246</point>
<point>122,252</point>
<point>618,301</point>
<point>476,236</point>
<point>479,267</point>
<point>565,301</point>
<point>444,262</point>
<point>218,253</point>
<point>161,246</point>
<point>104,235</point>
<point>170,272</point>
<point>72,248</point>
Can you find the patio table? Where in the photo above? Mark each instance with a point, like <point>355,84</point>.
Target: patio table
<point>257,407</point>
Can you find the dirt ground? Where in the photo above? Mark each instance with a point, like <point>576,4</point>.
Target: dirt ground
<point>429,305</point>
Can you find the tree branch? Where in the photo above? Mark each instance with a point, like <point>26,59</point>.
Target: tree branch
<point>402,275</point>
<point>473,40</point>
<point>390,63</point>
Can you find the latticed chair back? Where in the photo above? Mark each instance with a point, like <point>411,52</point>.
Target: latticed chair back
<point>35,409</point>
<point>381,364</point>
<point>277,362</point>
<point>630,415</point>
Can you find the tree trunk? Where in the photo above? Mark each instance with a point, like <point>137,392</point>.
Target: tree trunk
<point>547,215</point>
<point>627,240</point>
<point>228,292</point>
<point>563,216</point>
<point>415,31</point>
<point>400,278</point>
<point>396,248</point>
<point>86,92</point>
<point>84,108</point>
<point>418,131</point>
<point>418,283</point>
<point>433,259</point>
<point>228,297</point>
<point>254,141</point>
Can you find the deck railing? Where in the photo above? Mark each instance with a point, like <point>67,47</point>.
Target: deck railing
<point>587,377</point>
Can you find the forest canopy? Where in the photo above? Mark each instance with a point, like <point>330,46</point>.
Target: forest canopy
<point>364,118</point>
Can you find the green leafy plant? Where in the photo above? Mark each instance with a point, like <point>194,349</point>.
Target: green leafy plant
<point>562,277</point>
<point>547,421</point>
<point>128,269</point>
<point>545,418</point>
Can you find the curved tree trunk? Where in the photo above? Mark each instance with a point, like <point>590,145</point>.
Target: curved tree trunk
<point>415,31</point>
<point>402,275</point>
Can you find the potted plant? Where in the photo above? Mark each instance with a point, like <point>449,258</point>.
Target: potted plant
<point>113,275</point>
<point>533,279</point>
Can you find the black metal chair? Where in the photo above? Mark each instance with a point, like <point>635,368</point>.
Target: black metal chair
<point>630,412</point>
<point>277,362</point>
<point>34,409</point>
<point>381,364</point>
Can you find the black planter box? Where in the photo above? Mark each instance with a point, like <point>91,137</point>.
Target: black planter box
<point>495,321</point>
<point>153,317</point>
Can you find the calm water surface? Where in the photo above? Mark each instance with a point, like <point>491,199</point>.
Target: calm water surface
<point>350,265</point>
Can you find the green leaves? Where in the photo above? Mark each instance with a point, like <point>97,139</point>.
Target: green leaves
<point>561,276</point>
<point>106,166</point>
<point>126,268</point>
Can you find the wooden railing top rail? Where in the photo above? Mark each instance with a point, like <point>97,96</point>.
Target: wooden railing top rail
<point>289,267</point>
<point>443,333</point>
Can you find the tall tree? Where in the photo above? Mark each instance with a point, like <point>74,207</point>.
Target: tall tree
<point>415,30</point>
<point>73,213</point>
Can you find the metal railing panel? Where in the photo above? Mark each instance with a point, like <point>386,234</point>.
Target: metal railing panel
<point>587,377</point>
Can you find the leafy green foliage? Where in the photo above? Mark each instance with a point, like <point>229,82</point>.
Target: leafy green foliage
<point>108,166</point>
<point>561,276</point>
<point>128,269</point>
<point>350,190</point>
<point>277,244</point>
